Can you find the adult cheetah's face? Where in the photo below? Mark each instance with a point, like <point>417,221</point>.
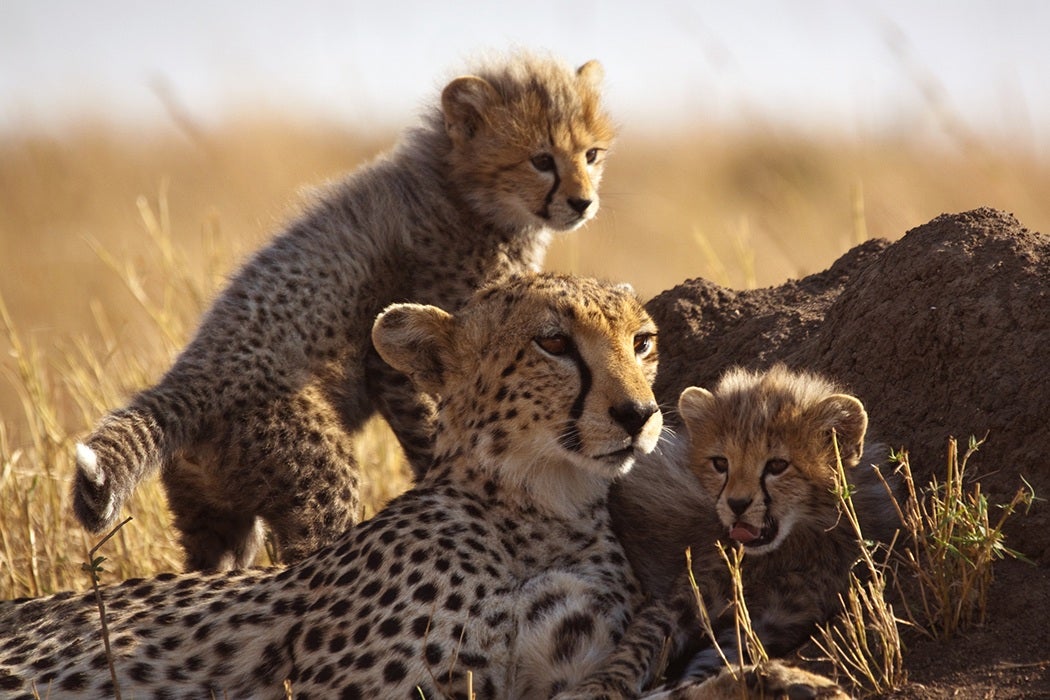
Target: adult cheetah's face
<point>764,449</point>
<point>529,151</point>
<point>541,375</point>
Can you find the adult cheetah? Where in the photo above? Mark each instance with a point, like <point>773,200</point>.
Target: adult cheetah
<point>253,422</point>
<point>499,571</point>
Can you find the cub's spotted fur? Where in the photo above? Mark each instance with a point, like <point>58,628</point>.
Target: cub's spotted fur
<point>253,422</point>
<point>501,563</point>
<point>762,476</point>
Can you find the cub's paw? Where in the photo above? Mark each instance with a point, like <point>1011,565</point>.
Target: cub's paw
<point>596,689</point>
<point>778,680</point>
<point>93,500</point>
<point>772,680</point>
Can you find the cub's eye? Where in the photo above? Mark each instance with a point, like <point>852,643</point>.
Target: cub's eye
<point>776,466</point>
<point>644,343</point>
<point>557,344</point>
<point>544,162</point>
<point>592,156</point>
<point>721,464</point>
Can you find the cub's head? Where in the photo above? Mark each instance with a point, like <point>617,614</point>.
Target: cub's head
<point>529,139</point>
<point>762,446</point>
<point>543,380</point>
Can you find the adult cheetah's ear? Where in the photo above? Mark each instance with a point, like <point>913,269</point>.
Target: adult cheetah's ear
<point>846,416</point>
<point>695,406</point>
<point>592,73</point>
<point>415,339</point>
<point>464,103</point>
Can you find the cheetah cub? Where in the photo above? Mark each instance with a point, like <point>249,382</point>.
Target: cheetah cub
<point>500,563</point>
<point>253,422</point>
<point>761,476</point>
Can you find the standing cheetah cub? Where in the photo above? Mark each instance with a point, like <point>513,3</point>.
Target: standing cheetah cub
<point>253,422</point>
<point>500,563</point>
<point>761,475</point>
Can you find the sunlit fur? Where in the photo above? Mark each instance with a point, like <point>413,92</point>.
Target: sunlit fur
<point>255,422</point>
<point>752,419</point>
<point>500,123</point>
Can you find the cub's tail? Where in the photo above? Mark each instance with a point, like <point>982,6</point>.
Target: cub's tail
<point>125,448</point>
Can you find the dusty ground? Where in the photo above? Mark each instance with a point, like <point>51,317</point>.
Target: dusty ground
<point>945,332</point>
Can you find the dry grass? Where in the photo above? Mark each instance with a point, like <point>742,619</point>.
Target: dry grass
<point>864,642</point>
<point>938,569</point>
<point>750,649</point>
<point>113,243</point>
<point>951,542</point>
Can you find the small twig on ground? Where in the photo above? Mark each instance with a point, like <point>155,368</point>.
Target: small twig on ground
<point>94,568</point>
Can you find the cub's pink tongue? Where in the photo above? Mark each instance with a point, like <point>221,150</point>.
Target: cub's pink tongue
<point>743,532</point>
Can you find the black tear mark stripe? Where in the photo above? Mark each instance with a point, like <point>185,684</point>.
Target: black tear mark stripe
<point>766,497</point>
<point>545,212</point>
<point>570,439</point>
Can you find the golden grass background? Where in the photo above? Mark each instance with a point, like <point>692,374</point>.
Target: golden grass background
<point>113,240</point>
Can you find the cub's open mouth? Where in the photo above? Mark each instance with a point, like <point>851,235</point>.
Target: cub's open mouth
<point>751,536</point>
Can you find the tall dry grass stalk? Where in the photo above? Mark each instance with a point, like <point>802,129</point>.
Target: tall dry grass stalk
<point>863,642</point>
<point>750,649</point>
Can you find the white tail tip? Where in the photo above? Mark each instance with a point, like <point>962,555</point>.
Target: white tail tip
<point>87,462</point>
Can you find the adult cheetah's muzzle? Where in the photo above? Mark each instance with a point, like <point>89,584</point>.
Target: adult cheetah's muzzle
<point>633,415</point>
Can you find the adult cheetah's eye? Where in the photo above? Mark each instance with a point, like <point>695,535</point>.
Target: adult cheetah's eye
<point>544,162</point>
<point>776,466</point>
<point>721,464</point>
<point>592,155</point>
<point>644,343</point>
<point>557,344</point>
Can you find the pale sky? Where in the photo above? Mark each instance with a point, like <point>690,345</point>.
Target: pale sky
<point>852,66</point>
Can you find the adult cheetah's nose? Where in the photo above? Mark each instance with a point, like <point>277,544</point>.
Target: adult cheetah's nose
<point>579,205</point>
<point>633,415</point>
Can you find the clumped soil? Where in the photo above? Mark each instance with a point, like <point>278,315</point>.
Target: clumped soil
<point>943,333</point>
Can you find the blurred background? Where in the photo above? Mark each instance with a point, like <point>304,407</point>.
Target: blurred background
<point>146,148</point>
<point>759,140</point>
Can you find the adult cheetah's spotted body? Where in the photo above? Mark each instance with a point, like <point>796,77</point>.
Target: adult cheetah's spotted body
<point>501,562</point>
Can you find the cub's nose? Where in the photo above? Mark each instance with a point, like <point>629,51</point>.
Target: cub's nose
<point>579,205</point>
<point>738,505</point>
<point>633,415</point>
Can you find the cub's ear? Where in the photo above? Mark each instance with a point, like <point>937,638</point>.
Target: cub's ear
<point>846,416</point>
<point>591,72</point>
<point>695,406</point>
<point>417,340</point>
<point>464,103</point>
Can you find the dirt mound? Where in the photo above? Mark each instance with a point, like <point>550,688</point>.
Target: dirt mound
<point>945,332</point>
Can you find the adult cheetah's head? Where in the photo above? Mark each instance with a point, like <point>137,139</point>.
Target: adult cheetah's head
<point>543,379</point>
<point>763,447</point>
